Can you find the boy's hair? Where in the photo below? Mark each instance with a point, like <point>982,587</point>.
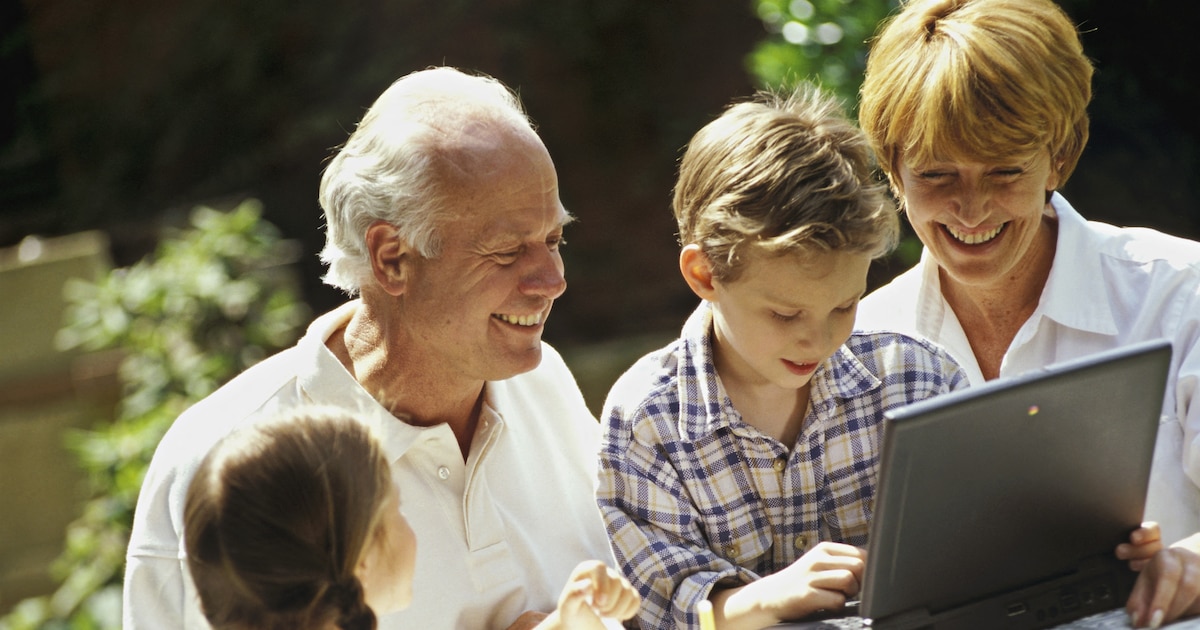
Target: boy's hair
<point>960,79</point>
<point>781,174</point>
<point>277,518</point>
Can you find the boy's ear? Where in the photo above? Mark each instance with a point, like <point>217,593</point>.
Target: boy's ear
<point>696,268</point>
<point>390,256</point>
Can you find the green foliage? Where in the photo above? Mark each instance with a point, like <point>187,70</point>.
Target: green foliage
<point>210,302</point>
<point>824,41</point>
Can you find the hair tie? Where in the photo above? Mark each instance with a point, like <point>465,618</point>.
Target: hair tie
<point>353,612</point>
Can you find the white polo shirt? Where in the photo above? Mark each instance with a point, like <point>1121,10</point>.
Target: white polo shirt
<point>496,535</point>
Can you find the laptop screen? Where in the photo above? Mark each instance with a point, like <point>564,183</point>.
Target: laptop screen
<point>990,491</point>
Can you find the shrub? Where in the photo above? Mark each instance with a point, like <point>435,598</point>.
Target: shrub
<point>211,300</point>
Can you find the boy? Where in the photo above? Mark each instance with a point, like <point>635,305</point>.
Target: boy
<point>740,461</point>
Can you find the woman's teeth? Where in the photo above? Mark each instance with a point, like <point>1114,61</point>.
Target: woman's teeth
<point>521,320</point>
<point>974,238</point>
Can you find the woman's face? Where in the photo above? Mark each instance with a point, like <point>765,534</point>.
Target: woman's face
<point>979,220</point>
<point>386,571</point>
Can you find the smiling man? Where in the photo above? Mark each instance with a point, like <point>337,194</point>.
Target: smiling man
<point>443,217</point>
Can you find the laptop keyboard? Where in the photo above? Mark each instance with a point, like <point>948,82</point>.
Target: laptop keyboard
<point>1115,619</point>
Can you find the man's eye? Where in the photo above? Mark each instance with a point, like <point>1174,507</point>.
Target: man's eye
<point>555,242</point>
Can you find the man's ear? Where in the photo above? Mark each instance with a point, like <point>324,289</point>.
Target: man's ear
<point>390,256</point>
<point>696,268</point>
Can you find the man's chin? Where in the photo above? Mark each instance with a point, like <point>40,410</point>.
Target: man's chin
<point>520,363</point>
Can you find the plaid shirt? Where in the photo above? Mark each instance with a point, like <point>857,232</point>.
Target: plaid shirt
<point>692,495</point>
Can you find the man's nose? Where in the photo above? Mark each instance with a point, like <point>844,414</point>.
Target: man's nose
<point>545,275</point>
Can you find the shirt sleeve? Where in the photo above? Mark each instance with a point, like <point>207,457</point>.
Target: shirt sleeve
<point>655,530</point>
<point>1187,389</point>
<point>158,592</point>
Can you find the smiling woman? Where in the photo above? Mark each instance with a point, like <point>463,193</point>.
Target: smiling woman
<point>978,112</point>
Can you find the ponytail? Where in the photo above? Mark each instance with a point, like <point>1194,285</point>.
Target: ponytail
<point>353,613</point>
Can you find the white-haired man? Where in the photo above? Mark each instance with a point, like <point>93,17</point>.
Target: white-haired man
<point>444,219</point>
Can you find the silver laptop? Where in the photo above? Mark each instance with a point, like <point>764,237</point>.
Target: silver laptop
<point>1000,506</point>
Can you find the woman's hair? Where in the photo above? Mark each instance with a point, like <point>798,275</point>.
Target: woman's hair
<point>980,80</point>
<point>783,174</point>
<point>387,168</point>
<point>277,519</point>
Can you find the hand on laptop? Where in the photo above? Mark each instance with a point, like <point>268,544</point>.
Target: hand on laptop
<point>1169,586</point>
<point>824,578</point>
<point>1144,542</point>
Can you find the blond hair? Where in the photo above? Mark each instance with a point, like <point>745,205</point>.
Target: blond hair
<point>782,173</point>
<point>976,79</point>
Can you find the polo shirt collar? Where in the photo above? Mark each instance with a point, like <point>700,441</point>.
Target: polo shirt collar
<point>1075,294</point>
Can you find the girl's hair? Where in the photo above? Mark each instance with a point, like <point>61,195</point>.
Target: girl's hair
<point>783,173</point>
<point>977,80</point>
<point>277,519</point>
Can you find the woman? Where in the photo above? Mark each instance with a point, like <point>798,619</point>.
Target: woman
<point>295,523</point>
<point>977,112</point>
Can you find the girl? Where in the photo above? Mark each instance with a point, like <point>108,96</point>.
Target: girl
<point>295,523</point>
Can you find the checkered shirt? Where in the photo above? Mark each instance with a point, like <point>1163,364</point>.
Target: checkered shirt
<point>692,495</point>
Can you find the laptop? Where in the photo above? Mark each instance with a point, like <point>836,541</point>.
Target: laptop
<point>1000,506</point>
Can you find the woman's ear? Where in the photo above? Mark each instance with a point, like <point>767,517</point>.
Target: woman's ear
<point>390,256</point>
<point>697,271</point>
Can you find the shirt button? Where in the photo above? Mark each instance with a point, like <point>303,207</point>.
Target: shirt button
<point>801,543</point>
<point>443,472</point>
<point>731,550</point>
<point>780,464</point>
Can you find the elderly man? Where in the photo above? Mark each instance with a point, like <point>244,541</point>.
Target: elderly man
<point>443,216</point>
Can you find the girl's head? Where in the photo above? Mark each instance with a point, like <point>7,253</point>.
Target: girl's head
<point>294,523</point>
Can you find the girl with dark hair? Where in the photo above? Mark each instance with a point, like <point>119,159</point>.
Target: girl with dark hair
<point>295,523</point>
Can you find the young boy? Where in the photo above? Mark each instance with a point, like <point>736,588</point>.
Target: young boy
<point>739,462</point>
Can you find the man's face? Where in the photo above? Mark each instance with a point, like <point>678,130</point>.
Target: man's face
<point>482,303</point>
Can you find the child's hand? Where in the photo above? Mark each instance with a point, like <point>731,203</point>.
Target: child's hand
<point>1169,586</point>
<point>822,579</point>
<point>593,591</point>
<point>1143,543</point>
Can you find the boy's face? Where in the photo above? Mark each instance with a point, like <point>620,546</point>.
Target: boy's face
<point>783,316</point>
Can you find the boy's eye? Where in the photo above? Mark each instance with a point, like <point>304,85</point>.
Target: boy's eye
<point>848,308</point>
<point>783,318</point>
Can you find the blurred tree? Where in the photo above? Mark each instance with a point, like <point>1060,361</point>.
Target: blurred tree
<point>210,302</point>
<point>824,41</point>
